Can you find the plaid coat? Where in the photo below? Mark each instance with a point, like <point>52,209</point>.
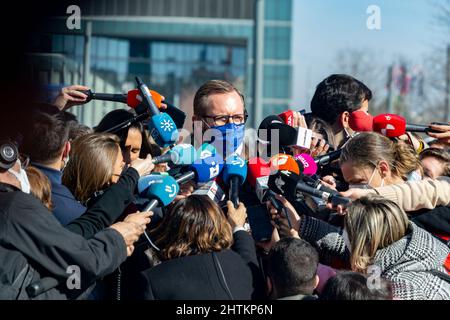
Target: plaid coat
<point>406,263</point>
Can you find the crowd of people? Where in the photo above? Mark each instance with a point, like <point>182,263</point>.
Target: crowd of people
<point>72,214</point>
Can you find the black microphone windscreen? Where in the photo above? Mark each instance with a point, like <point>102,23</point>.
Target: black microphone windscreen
<point>287,135</point>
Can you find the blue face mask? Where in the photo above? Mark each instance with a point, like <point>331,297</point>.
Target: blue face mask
<point>231,138</point>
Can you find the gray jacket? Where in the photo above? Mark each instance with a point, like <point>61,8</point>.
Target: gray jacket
<point>407,263</point>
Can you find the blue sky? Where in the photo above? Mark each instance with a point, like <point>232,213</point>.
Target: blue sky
<point>324,27</point>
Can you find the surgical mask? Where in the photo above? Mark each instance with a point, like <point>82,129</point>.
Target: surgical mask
<point>231,138</point>
<point>414,176</point>
<point>366,185</point>
<point>348,135</point>
<point>23,179</point>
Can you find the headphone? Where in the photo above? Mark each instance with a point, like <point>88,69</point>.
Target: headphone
<point>8,154</point>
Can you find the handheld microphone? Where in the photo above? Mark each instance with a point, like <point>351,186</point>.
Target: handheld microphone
<point>181,154</point>
<point>147,97</point>
<point>288,117</point>
<point>212,190</point>
<point>392,126</point>
<point>283,161</point>
<point>134,100</point>
<point>327,158</point>
<point>258,177</point>
<point>203,170</point>
<point>306,163</point>
<point>234,174</point>
<point>360,121</point>
<point>131,98</point>
<point>287,135</point>
<point>159,189</point>
<point>288,184</point>
<point>308,169</point>
<point>161,126</point>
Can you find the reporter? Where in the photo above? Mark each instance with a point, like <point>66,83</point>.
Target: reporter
<point>96,163</point>
<point>46,142</point>
<point>196,242</point>
<point>435,162</point>
<point>372,160</point>
<point>133,139</point>
<point>96,177</point>
<point>378,233</point>
<point>412,195</point>
<point>33,245</point>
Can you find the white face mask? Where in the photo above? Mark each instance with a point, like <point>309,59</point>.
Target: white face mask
<point>23,179</point>
<point>414,176</point>
<point>366,185</point>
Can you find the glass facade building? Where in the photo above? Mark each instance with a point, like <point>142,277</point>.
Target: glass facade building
<point>173,45</point>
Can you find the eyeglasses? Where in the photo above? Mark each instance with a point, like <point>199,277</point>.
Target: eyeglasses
<point>221,120</point>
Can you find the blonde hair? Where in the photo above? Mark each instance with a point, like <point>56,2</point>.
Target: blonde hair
<point>40,185</point>
<point>373,223</point>
<point>91,164</point>
<point>369,148</point>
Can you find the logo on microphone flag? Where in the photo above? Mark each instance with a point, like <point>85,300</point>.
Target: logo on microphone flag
<point>167,125</point>
<point>172,190</point>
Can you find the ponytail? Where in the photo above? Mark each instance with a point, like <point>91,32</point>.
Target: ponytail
<point>406,159</point>
<point>368,148</point>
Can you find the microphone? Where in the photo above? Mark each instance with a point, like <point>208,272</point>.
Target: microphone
<point>327,158</point>
<point>203,170</point>
<point>206,150</point>
<point>148,99</point>
<point>308,169</point>
<point>306,163</point>
<point>288,117</point>
<point>360,121</point>
<point>181,154</point>
<point>212,190</point>
<point>273,123</point>
<point>287,135</point>
<point>393,125</point>
<point>283,161</point>
<point>234,174</point>
<point>160,189</point>
<point>134,100</point>
<point>161,126</point>
<point>258,177</point>
<point>288,184</point>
